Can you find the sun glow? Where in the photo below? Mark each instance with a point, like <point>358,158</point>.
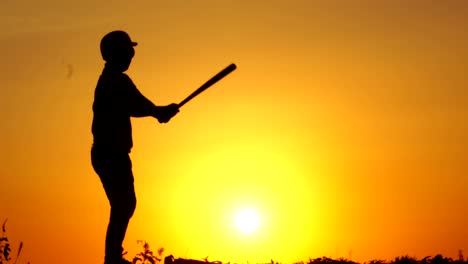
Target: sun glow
<point>247,221</point>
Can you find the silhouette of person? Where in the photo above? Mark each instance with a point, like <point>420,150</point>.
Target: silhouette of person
<point>116,99</point>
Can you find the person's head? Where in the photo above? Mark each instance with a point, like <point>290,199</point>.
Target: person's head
<point>117,49</point>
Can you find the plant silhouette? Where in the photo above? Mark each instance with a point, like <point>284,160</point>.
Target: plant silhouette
<point>147,256</point>
<point>5,248</point>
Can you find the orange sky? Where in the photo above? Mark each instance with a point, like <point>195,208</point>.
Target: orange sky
<point>344,127</point>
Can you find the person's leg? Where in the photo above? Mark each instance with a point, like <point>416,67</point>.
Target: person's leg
<point>115,172</point>
<point>123,205</point>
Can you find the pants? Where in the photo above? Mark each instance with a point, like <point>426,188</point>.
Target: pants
<point>115,171</point>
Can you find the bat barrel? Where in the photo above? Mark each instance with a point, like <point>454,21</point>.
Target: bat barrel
<point>209,83</point>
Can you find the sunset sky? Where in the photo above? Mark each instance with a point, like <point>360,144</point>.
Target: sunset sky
<point>344,130</point>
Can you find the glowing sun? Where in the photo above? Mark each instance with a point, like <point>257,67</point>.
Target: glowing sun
<point>247,221</point>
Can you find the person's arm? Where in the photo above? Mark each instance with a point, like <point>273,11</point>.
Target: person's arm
<point>140,106</point>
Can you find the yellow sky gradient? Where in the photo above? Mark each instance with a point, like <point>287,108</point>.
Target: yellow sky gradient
<point>344,126</point>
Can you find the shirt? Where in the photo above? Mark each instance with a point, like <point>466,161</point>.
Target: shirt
<point>116,99</point>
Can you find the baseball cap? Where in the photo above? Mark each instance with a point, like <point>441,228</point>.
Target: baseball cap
<point>115,41</point>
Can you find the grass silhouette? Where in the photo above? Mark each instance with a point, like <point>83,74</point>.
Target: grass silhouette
<point>437,259</point>
<point>147,256</point>
<point>5,248</point>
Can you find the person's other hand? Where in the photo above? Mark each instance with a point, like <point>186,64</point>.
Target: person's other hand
<point>167,112</point>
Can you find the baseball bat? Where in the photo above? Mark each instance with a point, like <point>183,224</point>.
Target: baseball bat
<point>209,83</point>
